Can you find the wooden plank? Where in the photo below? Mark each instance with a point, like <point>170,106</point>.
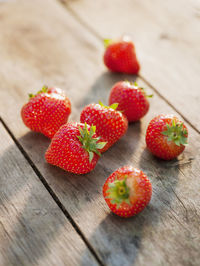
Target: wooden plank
<point>167,232</point>
<point>33,230</point>
<point>167,38</point>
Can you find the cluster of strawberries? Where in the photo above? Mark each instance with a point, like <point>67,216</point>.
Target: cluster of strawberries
<point>76,147</point>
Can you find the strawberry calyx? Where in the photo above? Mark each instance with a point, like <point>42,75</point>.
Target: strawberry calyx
<point>146,95</point>
<point>112,106</point>
<point>176,133</point>
<point>136,86</point>
<point>43,90</point>
<point>107,42</point>
<point>90,143</point>
<point>118,192</point>
<point>124,38</point>
<point>143,89</point>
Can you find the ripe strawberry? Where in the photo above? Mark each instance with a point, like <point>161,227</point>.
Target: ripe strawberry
<point>75,148</point>
<point>120,56</point>
<point>46,111</point>
<point>127,191</point>
<point>110,124</point>
<point>132,99</point>
<point>166,136</point>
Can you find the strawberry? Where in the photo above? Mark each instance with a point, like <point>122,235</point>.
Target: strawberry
<point>75,148</point>
<point>120,56</point>
<point>46,111</point>
<point>132,99</point>
<point>110,124</point>
<point>127,191</point>
<point>166,136</point>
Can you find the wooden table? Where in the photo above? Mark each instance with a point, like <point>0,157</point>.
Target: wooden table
<point>51,217</point>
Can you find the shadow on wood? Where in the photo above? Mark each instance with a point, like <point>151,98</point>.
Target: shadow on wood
<point>100,90</point>
<point>33,229</point>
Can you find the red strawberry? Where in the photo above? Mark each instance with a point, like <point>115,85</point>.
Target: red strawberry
<point>46,111</point>
<point>131,98</point>
<point>75,148</point>
<point>110,124</point>
<point>127,191</point>
<point>166,136</point>
<point>120,56</point>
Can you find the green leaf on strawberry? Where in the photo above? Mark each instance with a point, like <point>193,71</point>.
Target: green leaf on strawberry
<point>176,133</point>
<point>90,144</point>
<point>112,106</point>
<point>119,192</point>
<point>107,42</point>
<point>43,90</point>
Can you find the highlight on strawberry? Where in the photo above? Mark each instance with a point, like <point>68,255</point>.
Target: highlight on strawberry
<point>127,191</point>
<point>110,124</point>
<point>166,136</point>
<point>46,111</point>
<point>132,100</point>
<point>120,56</point>
<point>75,148</point>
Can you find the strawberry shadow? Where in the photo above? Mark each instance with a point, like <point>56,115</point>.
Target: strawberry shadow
<point>117,240</point>
<point>70,187</point>
<point>36,144</point>
<point>122,152</point>
<point>164,177</point>
<point>100,90</point>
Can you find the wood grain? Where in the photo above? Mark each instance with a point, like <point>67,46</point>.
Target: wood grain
<point>33,230</point>
<point>57,50</point>
<point>167,39</point>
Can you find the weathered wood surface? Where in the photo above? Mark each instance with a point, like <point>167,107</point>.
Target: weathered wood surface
<point>48,45</point>
<point>33,230</point>
<point>167,38</point>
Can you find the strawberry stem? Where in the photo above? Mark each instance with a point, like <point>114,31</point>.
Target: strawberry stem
<point>118,192</point>
<point>176,133</point>
<point>112,106</point>
<point>136,86</point>
<point>90,143</point>
<point>43,90</point>
<point>107,42</point>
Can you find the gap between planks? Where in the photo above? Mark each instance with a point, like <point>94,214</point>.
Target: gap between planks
<point>100,38</point>
<point>53,195</point>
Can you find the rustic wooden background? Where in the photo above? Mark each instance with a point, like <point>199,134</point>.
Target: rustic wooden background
<point>51,217</point>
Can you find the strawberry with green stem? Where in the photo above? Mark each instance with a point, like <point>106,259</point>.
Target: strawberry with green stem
<point>110,124</point>
<point>46,111</point>
<point>132,100</point>
<point>166,136</point>
<point>127,191</point>
<point>120,56</point>
<point>75,148</point>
